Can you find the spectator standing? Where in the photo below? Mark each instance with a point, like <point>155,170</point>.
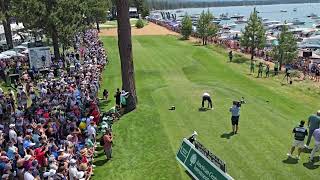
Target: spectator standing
<point>316,135</point>
<point>267,70</point>
<point>230,56</point>
<point>276,67</point>
<point>117,96</point>
<point>300,132</point>
<point>260,69</point>
<point>313,124</point>
<point>107,139</point>
<point>252,67</point>
<point>105,94</point>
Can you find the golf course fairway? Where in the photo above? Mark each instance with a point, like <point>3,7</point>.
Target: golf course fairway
<point>170,72</point>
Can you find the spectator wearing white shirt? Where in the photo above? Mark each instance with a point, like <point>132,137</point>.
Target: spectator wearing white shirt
<point>74,174</point>
<point>91,131</point>
<point>12,133</point>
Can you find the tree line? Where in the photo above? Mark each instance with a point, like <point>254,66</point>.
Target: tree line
<point>58,20</point>
<point>169,4</point>
<point>253,36</point>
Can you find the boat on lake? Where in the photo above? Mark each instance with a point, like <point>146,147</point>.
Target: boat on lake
<point>295,9</point>
<point>241,21</point>
<point>312,15</point>
<point>283,11</point>
<point>297,22</point>
<point>237,16</point>
<point>224,16</point>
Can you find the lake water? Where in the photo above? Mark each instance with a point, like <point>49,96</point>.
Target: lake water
<point>271,12</point>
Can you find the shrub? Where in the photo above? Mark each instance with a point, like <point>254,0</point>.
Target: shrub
<point>139,24</point>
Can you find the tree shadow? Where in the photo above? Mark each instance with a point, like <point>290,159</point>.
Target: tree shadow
<point>99,148</point>
<point>101,153</point>
<point>104,102</point>
<point>101,162</point>
<point>197,45</point>
<point>290,160</point>
<point>227,135</point>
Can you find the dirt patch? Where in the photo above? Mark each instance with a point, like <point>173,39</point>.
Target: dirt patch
<point>148,30</point>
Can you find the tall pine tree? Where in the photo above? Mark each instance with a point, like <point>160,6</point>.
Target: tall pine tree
<point>254,34</point>
<point>286,50</point>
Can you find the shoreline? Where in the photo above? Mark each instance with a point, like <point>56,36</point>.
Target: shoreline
<point>238,4</point>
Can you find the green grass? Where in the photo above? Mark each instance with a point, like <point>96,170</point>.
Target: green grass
<point>172,72</point>
<point>113,24</point>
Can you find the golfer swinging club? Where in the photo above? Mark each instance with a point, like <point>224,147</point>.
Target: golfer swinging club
<point>206,97</point>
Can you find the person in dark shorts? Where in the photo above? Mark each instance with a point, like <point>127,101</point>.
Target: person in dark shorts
<point>317,74</point>
<point>230,56</point>
<point>206,97</point>
<point>300,132</point>
<point>260,69</point>
<point>117,96</point>
<point>276,67</point>
<point>267,70</point>
<point>235,115</point>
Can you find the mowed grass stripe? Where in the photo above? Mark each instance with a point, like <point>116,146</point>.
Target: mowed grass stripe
<point>172,72</point>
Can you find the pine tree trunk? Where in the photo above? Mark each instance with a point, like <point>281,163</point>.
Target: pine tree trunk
<point>7,32</point>
<point>252,54</point>
<point>125,50</point>
<point>55,42</point>
<point>98,27</point>
<point>6,23</point>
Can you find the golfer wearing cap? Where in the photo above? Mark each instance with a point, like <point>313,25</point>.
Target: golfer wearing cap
<point>313,124</point>
<point>300,132</point>
<point>206,97</point>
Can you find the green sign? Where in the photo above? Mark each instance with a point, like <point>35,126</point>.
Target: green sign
<point>198,165</point>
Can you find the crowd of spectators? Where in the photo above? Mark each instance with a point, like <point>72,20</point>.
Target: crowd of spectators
<point>49,124</point>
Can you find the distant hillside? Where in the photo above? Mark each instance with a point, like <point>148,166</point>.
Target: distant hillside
<point>177,4</point>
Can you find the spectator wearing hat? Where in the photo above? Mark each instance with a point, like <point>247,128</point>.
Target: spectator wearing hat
<point>12,133</point>
<point>74,174</point>
<point>300,132</point>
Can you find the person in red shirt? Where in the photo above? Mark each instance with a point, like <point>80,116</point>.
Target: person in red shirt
<point>107,139</point>
<point>40,155</point>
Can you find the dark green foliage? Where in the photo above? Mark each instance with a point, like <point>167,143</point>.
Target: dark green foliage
<point>287,49</point>
<point>186,26</point>
<point>254,34</point>
<point>139,24</point>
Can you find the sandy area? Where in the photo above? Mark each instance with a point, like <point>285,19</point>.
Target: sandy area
<point>150,29</point>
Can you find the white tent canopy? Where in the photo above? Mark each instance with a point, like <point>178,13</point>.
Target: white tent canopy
<point>12,53</point>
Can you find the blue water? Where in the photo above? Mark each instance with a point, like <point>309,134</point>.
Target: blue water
<point>271,12</point>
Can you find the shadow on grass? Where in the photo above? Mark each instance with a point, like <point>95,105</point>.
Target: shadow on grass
<point>306,150</point>
<point>101,162</point>
<point>104,102</point>
<point>101,153</point>
<point>227,135</point>
<point>290,160</point>
<point>204,109</point>
<point>310,165</point>
<point>99,148</point>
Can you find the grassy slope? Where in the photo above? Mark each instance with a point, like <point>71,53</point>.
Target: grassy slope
<point>171,72</point>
